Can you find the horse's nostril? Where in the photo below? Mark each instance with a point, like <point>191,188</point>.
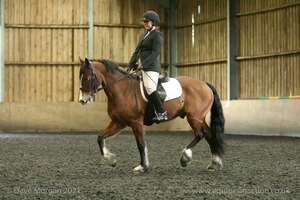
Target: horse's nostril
<point>81,101</point>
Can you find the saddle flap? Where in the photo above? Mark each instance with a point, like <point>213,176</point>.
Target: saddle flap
<point>166,90</point>
<point>160,90</point>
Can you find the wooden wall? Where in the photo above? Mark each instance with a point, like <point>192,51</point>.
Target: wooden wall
<point>269,45</point>
<point>42,42</point>
<point>203,57</point>
<point>43,39</point>
<point>269,51</point>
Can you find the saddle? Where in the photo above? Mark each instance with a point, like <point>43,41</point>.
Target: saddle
<point>167,88</point>
<point>160,89</point>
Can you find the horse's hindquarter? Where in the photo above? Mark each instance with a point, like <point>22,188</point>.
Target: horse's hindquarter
<point>197,96</point>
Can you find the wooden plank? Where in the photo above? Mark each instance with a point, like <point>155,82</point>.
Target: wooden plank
<point>55,26</point>
<point>251,12</point>
<point>79,13</point>
<point>16,70</point>
<point>48,57</point>
<point>60,71</point>
<point>27,51</point>
<point>68,70</point>
<point>54,80</point>
<point>23,71</point>
<point>44,55</point>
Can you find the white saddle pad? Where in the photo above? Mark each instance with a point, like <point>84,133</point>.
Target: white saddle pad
<point>173,89</point>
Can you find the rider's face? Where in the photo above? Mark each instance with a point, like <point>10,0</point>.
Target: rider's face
<point>148,25</point>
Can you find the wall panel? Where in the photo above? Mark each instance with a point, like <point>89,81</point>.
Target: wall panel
<point>202,42</point>
<point>269,48</point>
<point>40,48</point>
<point>269,45</point>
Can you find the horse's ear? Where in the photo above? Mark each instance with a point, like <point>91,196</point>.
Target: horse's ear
<point>87,63</point>
<point>80,59</point>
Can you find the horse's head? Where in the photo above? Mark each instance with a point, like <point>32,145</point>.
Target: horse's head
<point>88,82</point>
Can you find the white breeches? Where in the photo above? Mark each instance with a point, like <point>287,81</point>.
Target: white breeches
<point>150,79</point>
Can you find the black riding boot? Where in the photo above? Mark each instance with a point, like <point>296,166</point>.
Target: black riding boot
<point>161,114</point>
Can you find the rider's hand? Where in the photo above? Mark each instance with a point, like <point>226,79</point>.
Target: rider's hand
<point>128,69</point>
<point>139,67</point>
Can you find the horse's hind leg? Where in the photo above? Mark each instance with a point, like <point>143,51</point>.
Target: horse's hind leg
<point>110,130</point>
<point>199,132</point>
<point>216,161</point>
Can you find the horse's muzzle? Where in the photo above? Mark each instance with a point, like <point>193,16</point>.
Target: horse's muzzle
<point>84,100</point>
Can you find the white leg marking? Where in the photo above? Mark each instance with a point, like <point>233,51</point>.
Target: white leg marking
<point>186,157</point>
<point>109,157</point>
<point>215,158</point>
<point>146,157</point>
<point>216,163</point>
<point>140,168</point>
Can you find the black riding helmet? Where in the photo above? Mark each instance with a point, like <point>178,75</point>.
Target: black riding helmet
<point>151,15</point>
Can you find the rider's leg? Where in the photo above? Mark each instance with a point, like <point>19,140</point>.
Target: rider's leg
<point>161,114</point>
<point>150,81</point>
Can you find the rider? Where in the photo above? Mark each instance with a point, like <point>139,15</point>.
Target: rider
<point>145,57</point>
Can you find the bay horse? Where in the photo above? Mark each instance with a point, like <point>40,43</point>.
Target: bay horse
<point>197,99</point>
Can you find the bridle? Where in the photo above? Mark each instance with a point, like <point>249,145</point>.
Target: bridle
<point>95,83</point>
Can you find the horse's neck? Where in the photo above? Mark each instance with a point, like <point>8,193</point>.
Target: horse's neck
<point>117,85</point>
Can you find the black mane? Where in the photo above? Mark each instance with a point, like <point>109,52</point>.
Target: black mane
<point>110,66</point>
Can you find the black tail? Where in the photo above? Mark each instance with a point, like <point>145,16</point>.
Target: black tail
<point>217,123</point>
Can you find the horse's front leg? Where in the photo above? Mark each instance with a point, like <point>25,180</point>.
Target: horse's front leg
<point>139,133</point>
<point>111,130</point>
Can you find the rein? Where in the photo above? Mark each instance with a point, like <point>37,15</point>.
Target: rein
<point>107,86</point>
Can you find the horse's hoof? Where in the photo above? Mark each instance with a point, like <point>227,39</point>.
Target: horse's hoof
<point>186,157</point>
<point>111,159</point>
<point>216,163</point>
<point>113,164</point>
<point>214,166</point>
<point>141,169</point>
<point>183,163</point>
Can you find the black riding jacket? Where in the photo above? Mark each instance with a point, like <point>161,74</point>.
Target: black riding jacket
<point>148,50</point>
